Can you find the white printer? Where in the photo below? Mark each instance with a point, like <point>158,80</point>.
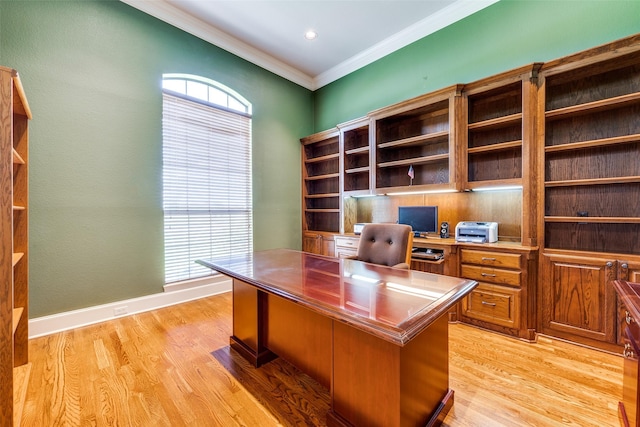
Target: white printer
<point>477,232</point>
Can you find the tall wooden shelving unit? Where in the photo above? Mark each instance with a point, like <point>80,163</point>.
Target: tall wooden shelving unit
<point>14,265</point>
<point>499,144</point>
<point>322,182</point>
<point>568,133</point>
<point>355,160</point>
<point>419,134</point>
<point>589,185</point>
<point>498,150</point>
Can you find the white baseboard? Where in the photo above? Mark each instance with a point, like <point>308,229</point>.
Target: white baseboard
<point>59,322</point>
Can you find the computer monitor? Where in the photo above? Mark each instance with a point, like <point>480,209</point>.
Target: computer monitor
<point>422,219</point>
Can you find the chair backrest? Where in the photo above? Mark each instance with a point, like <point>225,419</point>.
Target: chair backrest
<point>386,244</point>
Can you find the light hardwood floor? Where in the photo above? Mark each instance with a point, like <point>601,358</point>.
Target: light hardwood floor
<point>173,367</point>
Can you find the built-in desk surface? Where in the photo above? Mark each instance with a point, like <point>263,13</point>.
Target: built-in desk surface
<point>394,304</point>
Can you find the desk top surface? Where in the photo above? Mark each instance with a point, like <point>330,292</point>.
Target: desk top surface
<point>394,304</point>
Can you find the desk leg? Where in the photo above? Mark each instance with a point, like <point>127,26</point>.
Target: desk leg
<point>249,323</point>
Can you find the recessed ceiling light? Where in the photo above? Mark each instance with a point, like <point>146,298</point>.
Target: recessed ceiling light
<point>310,35</point>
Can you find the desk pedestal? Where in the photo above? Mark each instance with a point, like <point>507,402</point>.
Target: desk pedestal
<point>372,381</point>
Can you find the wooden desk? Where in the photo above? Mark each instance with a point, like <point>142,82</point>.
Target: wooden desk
<point>629,294</point>
<point>377,337</point>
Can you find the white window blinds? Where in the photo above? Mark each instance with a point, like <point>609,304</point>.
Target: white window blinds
<point>206,185</point>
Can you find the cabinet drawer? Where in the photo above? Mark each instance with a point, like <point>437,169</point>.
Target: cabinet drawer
<point>495,304</point>
<point>347,242</point>
<point>345,252</point>
<point>495,259</point>
<point>492,275</point>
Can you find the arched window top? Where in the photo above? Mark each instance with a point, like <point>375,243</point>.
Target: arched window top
<point>206,90</point>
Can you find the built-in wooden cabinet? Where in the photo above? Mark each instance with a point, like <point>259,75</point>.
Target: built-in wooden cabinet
<point>415,143</point>
<point>500,128</point>
<point>504,300</point>
<point>589,132</point>
<point>565,133</point>
<point>589,112</point>
<point>321,182</point>
<point>346,246</point>
<point>14,246</point>
<point>579,302</point>
<point>318,243</point>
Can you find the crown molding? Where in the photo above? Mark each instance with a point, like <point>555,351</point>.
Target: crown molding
<point>171,15</point>
<point>168,13</point>
<point>439,20</point>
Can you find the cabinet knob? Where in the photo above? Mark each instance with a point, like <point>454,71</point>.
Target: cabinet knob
<point>609,264</point>
<point>624,265</point>
<point>628,352</point>
<point>628,318</point>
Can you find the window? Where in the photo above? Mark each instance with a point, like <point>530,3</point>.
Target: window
<point>207,200</point>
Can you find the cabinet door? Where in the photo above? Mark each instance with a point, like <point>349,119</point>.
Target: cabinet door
<point>578,299</point>
<point>328,246</point>
<point>312,243</point>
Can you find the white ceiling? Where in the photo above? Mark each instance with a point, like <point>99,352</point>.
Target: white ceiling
<point>270,33</point>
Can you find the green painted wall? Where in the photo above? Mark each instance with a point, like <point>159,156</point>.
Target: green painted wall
<point>506,35</point>
<point>92,72</point>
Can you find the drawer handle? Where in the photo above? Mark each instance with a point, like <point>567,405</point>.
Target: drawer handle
<point>627,352</point>
<point>628,318</point>
<point>484,258</point>
<point>487,275</point>
<point>490,304</point>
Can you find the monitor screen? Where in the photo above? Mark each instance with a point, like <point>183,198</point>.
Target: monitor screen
<point>422,219</point>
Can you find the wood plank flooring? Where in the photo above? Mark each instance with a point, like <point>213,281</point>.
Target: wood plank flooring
<point>173,367</point>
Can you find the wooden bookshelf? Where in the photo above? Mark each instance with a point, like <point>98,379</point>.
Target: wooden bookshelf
<point>415,143</point>
<point>14,269</point>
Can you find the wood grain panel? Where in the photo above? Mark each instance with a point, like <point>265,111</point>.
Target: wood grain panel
<point>578,299</point>
<point>494,304</point>
<point>611,238</point>
<point>6,251</point>
<point>417,371</point>
<point>499,165</point>
<point>581,86</point>
<point>595,200</point>
<point>498,102</point>
<point>504,207</point>
<point>250,310</point>
<point>301,336</point>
